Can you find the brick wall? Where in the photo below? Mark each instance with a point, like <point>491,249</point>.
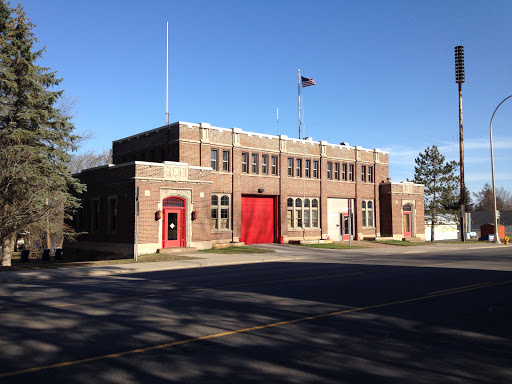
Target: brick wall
<point>193,143</point>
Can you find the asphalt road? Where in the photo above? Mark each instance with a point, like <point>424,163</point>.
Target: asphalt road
<point>369,316</point>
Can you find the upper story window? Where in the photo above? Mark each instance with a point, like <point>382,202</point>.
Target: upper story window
<point>290,166</point>
<point>329,170</point>
<point>264,164</point>
<point>351,172</point>
<point>307,168</point>
<point>225,161</point>
<point>245,163</point>
<point>254,164</point>
<point>344,171</point>
<point>370,174</point>
<point>274,165</point>
<point>298,168</point>
<point>214,159</point>
<point>336,171</point>
<point>315,169</point>
<point>363,173</point>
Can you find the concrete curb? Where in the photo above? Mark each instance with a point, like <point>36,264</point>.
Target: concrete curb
<point>111,270</point>
<point>220,261</point>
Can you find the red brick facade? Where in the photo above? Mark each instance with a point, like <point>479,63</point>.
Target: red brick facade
<point>194,162</point>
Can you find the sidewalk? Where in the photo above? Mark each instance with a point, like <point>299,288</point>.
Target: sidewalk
<point>206,260</point>
<point>282,253</point>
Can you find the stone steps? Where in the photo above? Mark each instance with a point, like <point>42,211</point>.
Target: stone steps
<point>176,250</point>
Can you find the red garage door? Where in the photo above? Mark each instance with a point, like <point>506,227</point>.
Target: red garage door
<point>258,220</point>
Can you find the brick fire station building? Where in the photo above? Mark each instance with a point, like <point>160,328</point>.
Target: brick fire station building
<point>195,185</point>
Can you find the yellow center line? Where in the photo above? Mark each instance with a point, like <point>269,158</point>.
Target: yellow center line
<point>461,288</point>
<point>245,330</point>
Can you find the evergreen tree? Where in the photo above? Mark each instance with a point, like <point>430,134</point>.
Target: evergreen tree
<point>440,182</point>
<point>35,137</point>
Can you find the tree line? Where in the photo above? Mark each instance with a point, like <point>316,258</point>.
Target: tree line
<point>442,189</point>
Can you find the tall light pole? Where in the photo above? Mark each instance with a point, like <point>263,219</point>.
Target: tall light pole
<point>496,232</point>
<point>459,79</point>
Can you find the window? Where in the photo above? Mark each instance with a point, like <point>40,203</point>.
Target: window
<point>307,212</point>
<point>314,213</point>
<point>290,166</point>
<point>351,172</point>
<point>298,168</point>
<point>307,169</point>
<point>224,212</point>
<point>315,169</point>
<point>297,215</point>
<point>274,165</point>
<point>302,213</point>
<point>112,214</point>
<point>344,171</point>
<point>214,159</point>
<point>79,218</point>
<point>215,203</point>
<point>264,164</point>
<point>289,212</point>
<point>367,209</point>
<point>225,161</point>
<point>245,161</point>
<point>220,212</point>
<point>363,173</point>
<point>254,164</point>
<point>95,215</point>
<point>370,174</point>
<point>336,171</point>
<point>329,170</point>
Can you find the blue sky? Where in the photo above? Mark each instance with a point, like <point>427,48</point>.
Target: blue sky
<point>384,71</point>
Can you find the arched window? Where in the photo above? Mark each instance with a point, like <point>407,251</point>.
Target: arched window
<point>173,202</point>
<point>220,213</point>
<point>302,213</point>
<point>407,208</point>
<point>297,215</point>
<point>367,212</point>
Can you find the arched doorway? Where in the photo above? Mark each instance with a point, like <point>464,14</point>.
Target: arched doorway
<point>407,211</point>
<point>174,223</point>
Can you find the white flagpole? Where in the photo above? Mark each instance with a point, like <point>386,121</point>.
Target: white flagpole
<point>298,88</point>
<point>167,80</point>
<point>277,122</point>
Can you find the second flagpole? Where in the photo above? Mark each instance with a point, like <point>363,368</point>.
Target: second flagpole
<point>298,91</point>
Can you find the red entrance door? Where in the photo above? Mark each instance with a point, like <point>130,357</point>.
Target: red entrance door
<point>407,224</point>
<point>173,233</point>
<point>345,229</point>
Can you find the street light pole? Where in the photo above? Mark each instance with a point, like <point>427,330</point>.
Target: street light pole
<point>459,79</point>
<point>496,232</point>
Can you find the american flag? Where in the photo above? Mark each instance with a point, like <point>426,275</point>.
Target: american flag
<point>307,82</point>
